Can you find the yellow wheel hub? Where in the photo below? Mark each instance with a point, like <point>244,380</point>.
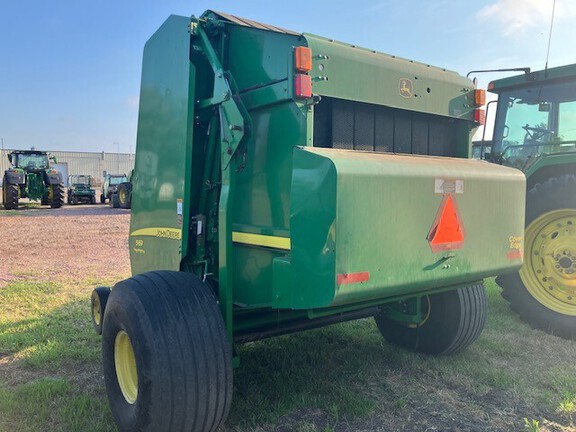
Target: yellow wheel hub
<point>122,195</point>
<point>549,271</point>
<point>96,311</point>
<point>125,363</point>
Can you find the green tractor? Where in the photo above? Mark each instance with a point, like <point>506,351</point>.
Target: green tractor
<point>535,131</point>
<point>80,190</point>
<point>30,176</point>
<point>110,186</point>
<point>124,192</point>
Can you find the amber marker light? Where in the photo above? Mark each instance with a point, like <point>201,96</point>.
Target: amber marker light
<point>479,97</point>
<point>303,59</point>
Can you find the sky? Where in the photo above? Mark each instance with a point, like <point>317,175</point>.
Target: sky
<point>70,69</point>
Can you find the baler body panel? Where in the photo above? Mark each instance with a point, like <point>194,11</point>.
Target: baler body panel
<point>338,68</point>
<point>160,203</point>
<point>360,225</point>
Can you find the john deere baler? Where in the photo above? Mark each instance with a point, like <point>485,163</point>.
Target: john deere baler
<point>284,181</point>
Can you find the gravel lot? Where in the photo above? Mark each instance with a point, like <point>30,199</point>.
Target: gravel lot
<point>60,244</point>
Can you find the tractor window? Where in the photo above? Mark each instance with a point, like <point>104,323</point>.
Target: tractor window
<point>534,120</point>
<point>81,179</point>
<point>567,122</point>
<point>31,161</point>
<point>118,180</point>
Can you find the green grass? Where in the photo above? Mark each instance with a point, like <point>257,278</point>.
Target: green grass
<point>46,326</point>
<point>53,404</point>
<point>320,380</point>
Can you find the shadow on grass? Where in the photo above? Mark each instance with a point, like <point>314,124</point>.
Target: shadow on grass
<point>322,369</point>
<point>50,377</point>
<point>50,340</point>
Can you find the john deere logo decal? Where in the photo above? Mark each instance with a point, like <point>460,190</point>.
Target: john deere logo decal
<point>405,87</point>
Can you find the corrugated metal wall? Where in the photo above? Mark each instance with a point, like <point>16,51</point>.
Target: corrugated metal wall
<point>93,164</point>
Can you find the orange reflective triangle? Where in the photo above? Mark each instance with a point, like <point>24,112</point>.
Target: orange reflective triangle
<point>447,232</point>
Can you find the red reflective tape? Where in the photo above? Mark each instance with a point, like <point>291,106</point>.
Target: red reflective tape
<point>514,255</point>
<point>348,278</point>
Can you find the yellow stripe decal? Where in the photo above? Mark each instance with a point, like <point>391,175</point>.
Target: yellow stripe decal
<point>261,240</point>
<point>167,233</point>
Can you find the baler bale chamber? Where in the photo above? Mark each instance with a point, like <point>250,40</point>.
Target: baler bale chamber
<point>282,182</point>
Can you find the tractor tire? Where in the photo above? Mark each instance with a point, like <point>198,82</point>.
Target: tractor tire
<point>56,194</point>
<point>453,320</point>
<point>10,196</point>
<point>167,360</point>
<point>125,195</point>
<point>114,202</point>
<point>543,292</point>
<point>102,199</point>
<point>93,200</point>
<point>98,301</point>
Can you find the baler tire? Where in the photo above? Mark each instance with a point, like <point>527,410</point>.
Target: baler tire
<point>124,195</point>
<point>543,292</point>
<point>454,319</point>
<point>57,195</point>
<point>98,301</point>
<point>164,334</point>
<point>10,196</point>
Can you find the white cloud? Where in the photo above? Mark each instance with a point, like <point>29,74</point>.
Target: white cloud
<point>517,17</point>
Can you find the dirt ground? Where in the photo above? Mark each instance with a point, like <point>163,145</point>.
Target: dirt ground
<point>78,240</point>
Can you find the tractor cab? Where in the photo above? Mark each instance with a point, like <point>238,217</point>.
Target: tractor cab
<point>533,118</point>
<point>29,161</point>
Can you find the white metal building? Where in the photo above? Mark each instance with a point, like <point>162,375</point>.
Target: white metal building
<point>89,163</point>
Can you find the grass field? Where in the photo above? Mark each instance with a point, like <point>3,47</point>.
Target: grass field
<point>340,378</point>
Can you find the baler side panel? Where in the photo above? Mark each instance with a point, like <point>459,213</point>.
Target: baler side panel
<point>160,207</point>
<point>361,226</point>
<point>261,64</point>
<point>347,72</point>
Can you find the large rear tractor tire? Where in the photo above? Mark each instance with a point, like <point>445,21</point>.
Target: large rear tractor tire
<point>10,196</point>
<point>56,195</point>
<point>543,292</point>
<point>125,195</point>
<point>167,360</point>
<point>452,320</point>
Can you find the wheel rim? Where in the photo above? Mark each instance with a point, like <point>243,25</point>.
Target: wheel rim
<point>549,270</point>
<point>50,193</point>
<point>122,195</point>
<point>125,363</point>
<point>96,312</point>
